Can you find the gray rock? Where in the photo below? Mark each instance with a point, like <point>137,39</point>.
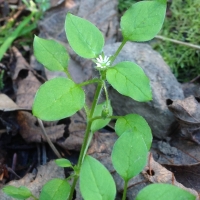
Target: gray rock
<point>163,83</point>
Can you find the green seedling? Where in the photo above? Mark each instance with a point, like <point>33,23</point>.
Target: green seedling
<point>61,97</point>
<point>8,33</point>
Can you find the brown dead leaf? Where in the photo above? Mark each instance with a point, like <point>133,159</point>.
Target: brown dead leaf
<point>181,151</point>
<point>35,182</point>
<point>78,122</point>
<point>32,133</point>
<point>76,133</point>
<point>189,176</point>
<point>7,104</point>
<point>177,152</point>
<point>26,90</point>
<point>159,174</point>
<point>73,142</point>
<point>22,64</point>
<point>187,113</point>
<point>102,143</point>
<point>101,148</point>
<point>25,81</point>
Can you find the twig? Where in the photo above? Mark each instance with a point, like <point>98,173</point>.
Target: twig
<point>194,46</point>
<point>11,171</point>
<point>48,140</point>
<point>195,79</point>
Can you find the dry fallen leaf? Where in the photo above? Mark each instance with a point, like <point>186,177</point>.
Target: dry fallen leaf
<point>101,148</point>
<point>189,176</point>
<point>26,90</point>
<point>35,182</point>
<point>159,174</point>
<point>22,64</point>
<point>187,113</point>
<point>32,133</point>
<point>177,152</point>
<point>7,104</point>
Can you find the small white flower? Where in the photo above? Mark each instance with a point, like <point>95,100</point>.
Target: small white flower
<point>102,62</point>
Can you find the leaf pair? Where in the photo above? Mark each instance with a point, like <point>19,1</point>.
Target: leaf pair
<point>130,151</point>
<point>60,97</point>
<point>53,189</point>
<point>95,180</point>
<point>85,39</point>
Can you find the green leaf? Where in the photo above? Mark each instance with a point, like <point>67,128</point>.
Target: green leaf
<point>55,189</point>
<point>58,98</point>
<point>83,36</point>
<point>129,155</point>
<point>143,20</point>
<point>164,192</point>
<point>135,124</point>
<point>95,181</point>
<point>7,42</point>
<point>18,193</point>
<point>100,123</point>
<point>62,162</point>
<point>130,80</point>
<point>51,54</point>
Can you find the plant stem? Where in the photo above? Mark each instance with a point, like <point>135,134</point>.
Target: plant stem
<point>73,186</point>
<point>35,198</point>
<point>125,190</point>
<point>95,80</point>
<point>106,94</point>
<point>118,50</point>
<point>48,140</point>
<point>68,74</point>
<point>86,136</point>
<point>96,98</point>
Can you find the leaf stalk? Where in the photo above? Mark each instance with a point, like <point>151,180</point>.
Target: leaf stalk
<point>85,140</point>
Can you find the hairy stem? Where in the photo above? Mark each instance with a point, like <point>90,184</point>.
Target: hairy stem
<point>106,94</point>
<point>95,80</point>
<point>86,136</point>
<point>68,74</point>
<point>117,52</point>
<point>35,198</point>
<point>125,190</point>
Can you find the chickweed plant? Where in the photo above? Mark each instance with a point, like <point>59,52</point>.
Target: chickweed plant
<point>61,97</point>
